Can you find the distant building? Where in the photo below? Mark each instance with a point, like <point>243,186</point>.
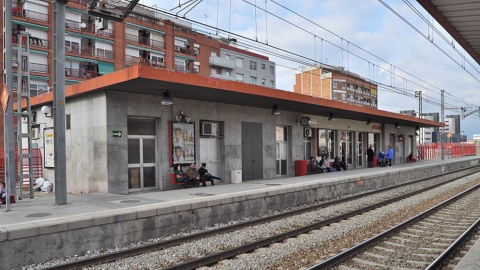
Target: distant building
<point>432,134</point>
<point>239,65</point>
<point>336,84</point>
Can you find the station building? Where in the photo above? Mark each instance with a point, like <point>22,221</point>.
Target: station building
<point>121,139</point>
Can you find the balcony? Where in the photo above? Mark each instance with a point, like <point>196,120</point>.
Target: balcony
<point>82,74</point>
<point>86,50</point>
<point>89,28</point>
<point>185,30</point>
<point>79,2</point>
<point>185,69</point>
<point>145,18</point>
<point>33,41</point>
<point>30,15</point>
<point>34,67</point>
<point>221,62</point>
<point>145,41</point>
<point>137,60</point>
<point>185,50</point>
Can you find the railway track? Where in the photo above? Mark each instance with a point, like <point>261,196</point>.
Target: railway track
<point>225,251</point>
<point>426,241</point>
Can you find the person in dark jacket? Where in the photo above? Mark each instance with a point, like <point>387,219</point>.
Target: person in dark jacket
<point>370,155</point>
<point>180,177</point>
<point>337,165</point>
<point>206,176</point>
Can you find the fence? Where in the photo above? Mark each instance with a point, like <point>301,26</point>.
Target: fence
<point>36,166</point>
<point>451,150</point>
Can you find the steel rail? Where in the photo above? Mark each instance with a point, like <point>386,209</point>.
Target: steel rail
<point>209,259</point>
<point>454,247</point>
<point>345,255</point>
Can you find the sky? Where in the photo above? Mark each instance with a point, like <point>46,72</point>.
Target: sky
<point>365,37</point>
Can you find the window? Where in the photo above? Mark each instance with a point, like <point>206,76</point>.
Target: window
<point>227,56</point>
<point>157,61</point>
<point>180,65</point>
<point>196,67</point>
<point>325,143</point>
<point>253,65</point>
<point>263,66</point>
<point>71,46</point>
<point>196,49</point>
<point>67,122</point>
<point>239,62</point>
<point>239,77</point>
<point>334,85</point>
<point>227,73</point>
<point>37,89</point>
<point>272,84</point>
<point>263,82</point>
<point>343,96</point>
<point>344,85</point>
<point>253,80</point>
<point>272,70</point>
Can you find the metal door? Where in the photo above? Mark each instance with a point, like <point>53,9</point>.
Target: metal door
<point>252,151</point>
<point>141,162</point>
<point>210,155</point>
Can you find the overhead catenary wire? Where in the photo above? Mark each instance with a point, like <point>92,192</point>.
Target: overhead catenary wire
<point>281,52</point>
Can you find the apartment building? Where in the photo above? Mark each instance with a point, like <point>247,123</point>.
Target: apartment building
<point>336,84</point>
<point>243,66</point>
<point>94,47</point>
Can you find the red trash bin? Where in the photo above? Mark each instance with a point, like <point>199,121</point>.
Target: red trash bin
<point>300,167</point>
<point>374,161</point>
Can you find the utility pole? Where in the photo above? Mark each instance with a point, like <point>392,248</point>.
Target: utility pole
<point>442,109</point>
<point>59,102</point>
<point>9,133</point>
<point>419,95</point>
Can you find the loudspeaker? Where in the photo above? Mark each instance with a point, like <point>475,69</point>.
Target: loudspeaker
<point>307,132</point>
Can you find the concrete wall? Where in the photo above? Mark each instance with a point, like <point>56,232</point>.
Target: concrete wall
<point>85,143</point>
<point>124,105</point>
<point>98,162</point>
<point>67,236</point>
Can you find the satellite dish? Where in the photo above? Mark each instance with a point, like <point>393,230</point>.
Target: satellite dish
<point>83,25</point>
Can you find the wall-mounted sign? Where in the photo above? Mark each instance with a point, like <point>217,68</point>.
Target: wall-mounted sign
<point>49,148</point>
<point>116,134</point>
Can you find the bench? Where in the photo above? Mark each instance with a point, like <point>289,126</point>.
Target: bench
<point>174,181</point>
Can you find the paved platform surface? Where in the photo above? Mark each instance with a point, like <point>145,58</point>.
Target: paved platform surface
<point>43,206</point>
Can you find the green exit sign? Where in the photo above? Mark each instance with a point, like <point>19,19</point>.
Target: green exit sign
<point>116,134</point>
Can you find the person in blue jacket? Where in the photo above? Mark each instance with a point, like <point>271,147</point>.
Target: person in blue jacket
<point>390,155</point>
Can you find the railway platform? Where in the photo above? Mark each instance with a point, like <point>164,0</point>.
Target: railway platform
<point>94,221</point>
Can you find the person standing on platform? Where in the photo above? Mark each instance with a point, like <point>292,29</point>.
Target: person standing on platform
<point>370,155</point>
<point>390,155</point>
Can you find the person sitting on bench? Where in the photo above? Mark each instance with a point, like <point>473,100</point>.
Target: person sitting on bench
<point>206,176</point>
<point>180,176</point>
<point>3,192</point>
<point>194,176</point>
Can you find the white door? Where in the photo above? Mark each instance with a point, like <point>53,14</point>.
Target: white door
<point>210,155</point>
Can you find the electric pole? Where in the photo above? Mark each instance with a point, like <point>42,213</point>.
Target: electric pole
<point>442,109</point>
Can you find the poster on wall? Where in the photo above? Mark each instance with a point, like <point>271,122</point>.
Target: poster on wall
<point>183,143</point>
<point>49,148</point>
